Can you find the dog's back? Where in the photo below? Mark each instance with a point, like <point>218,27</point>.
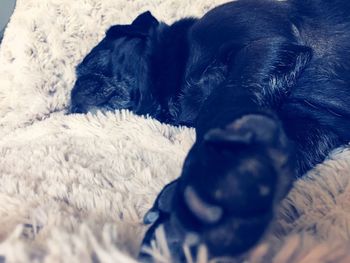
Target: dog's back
<point>319,101</point>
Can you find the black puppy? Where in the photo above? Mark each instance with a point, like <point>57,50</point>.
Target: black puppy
<point>266,84</point>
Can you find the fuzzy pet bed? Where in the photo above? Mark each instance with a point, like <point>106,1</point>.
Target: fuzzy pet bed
<point>74,188</point>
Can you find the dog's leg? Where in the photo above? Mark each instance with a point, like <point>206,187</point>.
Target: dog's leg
<point>241,164</point>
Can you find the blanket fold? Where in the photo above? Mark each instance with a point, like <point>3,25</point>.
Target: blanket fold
<point>74,188</point>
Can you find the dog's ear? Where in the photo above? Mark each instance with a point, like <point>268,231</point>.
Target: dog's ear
<point>146,20</point>
<point>271,66</point>
<point>140,27</point>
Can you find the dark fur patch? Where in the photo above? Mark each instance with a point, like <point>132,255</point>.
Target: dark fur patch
<point>266,84</point>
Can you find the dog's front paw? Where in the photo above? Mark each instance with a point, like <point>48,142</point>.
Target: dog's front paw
<point>229,187</point>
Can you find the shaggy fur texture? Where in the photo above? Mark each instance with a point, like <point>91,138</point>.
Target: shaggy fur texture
<point>75,188</point>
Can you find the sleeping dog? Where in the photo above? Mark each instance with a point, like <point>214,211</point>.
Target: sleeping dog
<point>265,84</point>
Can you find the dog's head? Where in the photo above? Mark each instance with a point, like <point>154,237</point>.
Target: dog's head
<point>113,74</point>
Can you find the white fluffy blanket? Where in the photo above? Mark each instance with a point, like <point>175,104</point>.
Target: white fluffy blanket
<point>74,188</point>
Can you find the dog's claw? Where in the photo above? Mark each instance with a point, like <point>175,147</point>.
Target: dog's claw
<point>150,217</point>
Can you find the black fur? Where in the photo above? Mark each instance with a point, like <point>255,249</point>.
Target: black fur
<point>266,85</point>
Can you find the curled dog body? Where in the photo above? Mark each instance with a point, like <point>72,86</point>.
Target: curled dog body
<point>265,84</point>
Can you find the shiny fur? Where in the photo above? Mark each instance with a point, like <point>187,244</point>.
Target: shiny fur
<point>266,85</point>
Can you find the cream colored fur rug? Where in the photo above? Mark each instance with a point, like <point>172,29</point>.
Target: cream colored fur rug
<point>74,188</point>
